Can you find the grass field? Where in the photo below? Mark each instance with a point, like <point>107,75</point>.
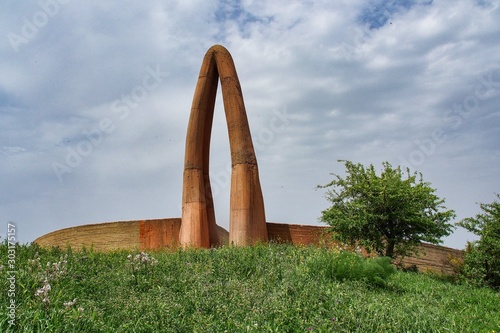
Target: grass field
<point>266,288</point>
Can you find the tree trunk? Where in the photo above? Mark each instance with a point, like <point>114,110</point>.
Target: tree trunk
<point>389,250</point>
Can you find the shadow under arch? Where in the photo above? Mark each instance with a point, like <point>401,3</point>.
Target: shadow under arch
<point>247,222</point>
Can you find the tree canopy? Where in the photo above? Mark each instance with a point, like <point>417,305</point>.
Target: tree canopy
<point>482,258</point>
<point>390,213</point>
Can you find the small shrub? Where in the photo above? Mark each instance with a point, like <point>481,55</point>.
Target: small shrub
<point>456,263</point>
<point>482,257</point>
<point>141,265</point>
<point>473,271</point>
<point>410,269</point>
<point>351,266</point>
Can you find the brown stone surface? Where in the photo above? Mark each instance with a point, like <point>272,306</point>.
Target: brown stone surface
<point>102,236</point>
<point>247,217</point>
<point>147,235</point>
<point>158,234</point>
<point>434,258</point>
<point>143,235</point>
<point>297,234</point>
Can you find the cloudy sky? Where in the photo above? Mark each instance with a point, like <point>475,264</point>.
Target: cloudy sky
<point>95,98</point>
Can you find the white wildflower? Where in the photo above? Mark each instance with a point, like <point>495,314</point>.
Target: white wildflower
<point>43,292</point>
<point>70,303</point>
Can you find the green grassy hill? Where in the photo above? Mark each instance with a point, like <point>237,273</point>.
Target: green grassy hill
<point>267,288</point>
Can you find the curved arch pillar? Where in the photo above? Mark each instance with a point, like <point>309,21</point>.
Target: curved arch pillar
<point>247,223</point>
<point>247,218</point>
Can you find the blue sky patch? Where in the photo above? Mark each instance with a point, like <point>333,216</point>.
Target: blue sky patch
<point>379,12</point>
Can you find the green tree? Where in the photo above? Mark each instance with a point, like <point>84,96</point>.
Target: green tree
<point>390,214</point>
<point>482,258</point>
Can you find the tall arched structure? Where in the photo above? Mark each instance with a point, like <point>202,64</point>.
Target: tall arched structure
<point>247,222</point>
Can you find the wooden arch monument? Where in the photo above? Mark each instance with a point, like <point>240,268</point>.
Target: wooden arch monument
<point>247,221</point>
